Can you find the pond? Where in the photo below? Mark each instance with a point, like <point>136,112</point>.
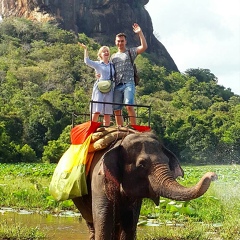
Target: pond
<point>67,225</point>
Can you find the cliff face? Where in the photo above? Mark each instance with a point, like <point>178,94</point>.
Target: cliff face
<point>98,19</point>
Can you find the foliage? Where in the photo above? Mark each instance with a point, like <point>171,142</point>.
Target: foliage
<point>55,148</point>
<point>44,82</point>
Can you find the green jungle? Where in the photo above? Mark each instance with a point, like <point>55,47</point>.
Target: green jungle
<point>44,82</point>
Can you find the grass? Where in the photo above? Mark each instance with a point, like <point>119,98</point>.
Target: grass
<point>215,215</point>
<point>26,186</point>
<point>18,231</point>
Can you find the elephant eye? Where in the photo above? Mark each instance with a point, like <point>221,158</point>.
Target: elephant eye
<point>142,163</point>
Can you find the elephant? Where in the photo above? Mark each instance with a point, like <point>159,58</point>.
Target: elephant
<point>135,167</point>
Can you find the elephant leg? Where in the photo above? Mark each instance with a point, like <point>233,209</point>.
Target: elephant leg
<point>105,216</point>
<point>83,204</point>
<point>129,219</point>
<point>91,231</point>
<point>103,219</point>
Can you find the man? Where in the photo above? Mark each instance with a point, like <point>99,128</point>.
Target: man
<point>124,91</point>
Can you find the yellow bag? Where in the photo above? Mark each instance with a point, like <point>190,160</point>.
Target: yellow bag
<point>69,177</point>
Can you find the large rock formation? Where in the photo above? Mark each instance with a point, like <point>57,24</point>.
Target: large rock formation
<point>98,19</point>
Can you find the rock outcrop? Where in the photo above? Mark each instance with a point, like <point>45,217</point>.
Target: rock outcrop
<point>98,19</point>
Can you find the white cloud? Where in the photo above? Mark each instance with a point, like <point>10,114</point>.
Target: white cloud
<point>204,34</point>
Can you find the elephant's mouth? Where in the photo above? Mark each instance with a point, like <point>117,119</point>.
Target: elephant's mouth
<point>154,196</point>
<point>156,200</point>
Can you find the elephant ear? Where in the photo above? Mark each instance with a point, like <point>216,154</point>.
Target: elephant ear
<point>112,170</point>
<point>174,164</point>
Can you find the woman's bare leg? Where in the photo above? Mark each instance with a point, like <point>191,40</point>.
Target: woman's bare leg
<point>106,120</point>
<point>95,116</point>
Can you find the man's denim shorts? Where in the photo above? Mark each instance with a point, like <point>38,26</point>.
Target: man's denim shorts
<point>123,93</point>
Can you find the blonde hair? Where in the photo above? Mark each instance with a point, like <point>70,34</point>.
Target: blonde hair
<point>101,50</point>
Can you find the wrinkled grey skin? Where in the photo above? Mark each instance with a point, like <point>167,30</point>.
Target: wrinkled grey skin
<point>120,177</point>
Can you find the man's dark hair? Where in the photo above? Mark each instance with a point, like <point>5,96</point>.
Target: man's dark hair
<point>121,35</point>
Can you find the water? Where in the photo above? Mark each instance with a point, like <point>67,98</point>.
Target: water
<point>67,225</point>
<point>58,227</point>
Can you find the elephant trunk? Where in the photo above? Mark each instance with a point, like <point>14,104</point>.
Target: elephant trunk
<point>163,184</point>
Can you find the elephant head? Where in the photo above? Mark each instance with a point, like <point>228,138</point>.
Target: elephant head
<point>141,167</point>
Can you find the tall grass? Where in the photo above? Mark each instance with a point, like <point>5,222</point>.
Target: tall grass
<point>26,186</point>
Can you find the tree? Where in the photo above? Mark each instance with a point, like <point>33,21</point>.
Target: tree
<point>202,75</point>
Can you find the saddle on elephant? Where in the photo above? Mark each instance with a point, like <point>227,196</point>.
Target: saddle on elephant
<point>69,177</point>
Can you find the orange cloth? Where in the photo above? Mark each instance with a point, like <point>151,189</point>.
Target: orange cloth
<point>80,132</point>
<point>89,162</point>
<point>141,128</point>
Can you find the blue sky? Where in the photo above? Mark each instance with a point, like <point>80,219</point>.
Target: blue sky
<point>201,34</point>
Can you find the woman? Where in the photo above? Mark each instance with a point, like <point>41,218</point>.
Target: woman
<point>106,71</point>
